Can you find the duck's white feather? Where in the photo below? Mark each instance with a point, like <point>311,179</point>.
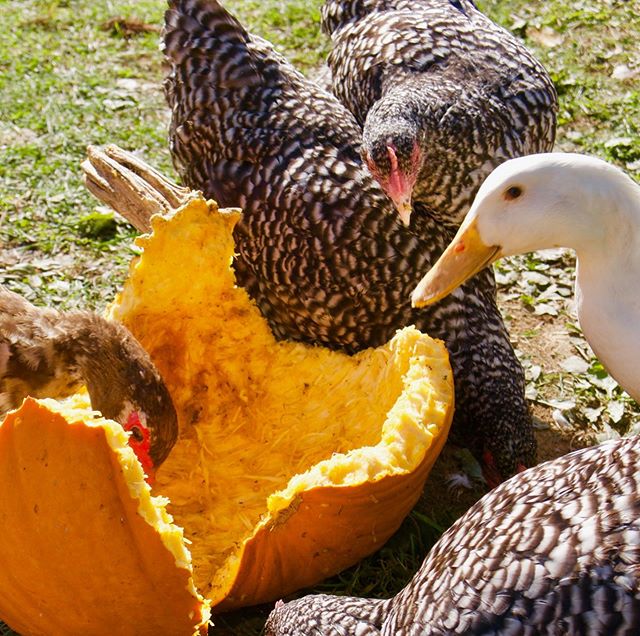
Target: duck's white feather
<point>576,201</point>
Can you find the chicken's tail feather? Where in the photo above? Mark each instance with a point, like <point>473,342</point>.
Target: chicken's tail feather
<point>207,46</point>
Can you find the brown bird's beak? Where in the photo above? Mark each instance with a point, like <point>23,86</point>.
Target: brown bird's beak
<point>465,256</point>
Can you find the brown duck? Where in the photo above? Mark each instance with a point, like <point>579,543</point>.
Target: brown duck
<point>47,353</point>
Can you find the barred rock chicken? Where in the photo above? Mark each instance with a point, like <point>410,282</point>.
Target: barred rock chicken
<point>46,353</point>
<point>319,247</point>
<point>443,93</point>
<point>554,550</point>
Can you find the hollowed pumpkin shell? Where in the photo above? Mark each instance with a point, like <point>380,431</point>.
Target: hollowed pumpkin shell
<point>293,462</point>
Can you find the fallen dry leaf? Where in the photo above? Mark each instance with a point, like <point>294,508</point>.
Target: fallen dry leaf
<point>545,36</point>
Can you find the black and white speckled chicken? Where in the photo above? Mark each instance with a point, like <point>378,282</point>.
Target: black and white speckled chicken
<point>443,93</point>
<point>47,353</point>
<point>553,550</point>
<point>319,246</point>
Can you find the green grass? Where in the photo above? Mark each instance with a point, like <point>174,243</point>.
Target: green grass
<point>69,78</point>
<point>65,82</point>
<point>592,51</point>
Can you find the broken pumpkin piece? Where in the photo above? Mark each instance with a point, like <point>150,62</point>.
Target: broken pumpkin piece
<point>292,463</point>
<point>84,547</point>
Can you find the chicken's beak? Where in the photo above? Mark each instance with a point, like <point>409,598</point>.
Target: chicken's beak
<point>465,256</point>
<point>404,210</point>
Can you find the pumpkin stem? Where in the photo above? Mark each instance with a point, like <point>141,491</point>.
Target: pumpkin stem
<point>130,186</point>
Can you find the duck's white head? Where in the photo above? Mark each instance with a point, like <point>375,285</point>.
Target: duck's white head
<point>530,203</point>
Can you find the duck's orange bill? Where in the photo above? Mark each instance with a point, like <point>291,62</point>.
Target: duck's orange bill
<point>465,256</point>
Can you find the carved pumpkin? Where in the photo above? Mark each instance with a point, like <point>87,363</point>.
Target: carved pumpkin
<point>293,462</point>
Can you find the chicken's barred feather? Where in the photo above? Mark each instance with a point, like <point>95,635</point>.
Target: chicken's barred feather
<point>554,550</point>
<point>441,75</point>
<point>319,247</point>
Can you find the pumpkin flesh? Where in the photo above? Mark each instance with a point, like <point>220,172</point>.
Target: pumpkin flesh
<point>271,432</point>
<point>292,463</point>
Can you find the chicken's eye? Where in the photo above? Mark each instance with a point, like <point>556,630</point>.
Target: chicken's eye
<point>136,434</point>
<point>512,193</point>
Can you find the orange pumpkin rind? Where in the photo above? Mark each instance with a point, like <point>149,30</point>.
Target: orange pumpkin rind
<point>75,508</point>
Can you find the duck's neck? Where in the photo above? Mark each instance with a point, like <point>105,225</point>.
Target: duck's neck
<point>607,293</point>
<point>606,232</point>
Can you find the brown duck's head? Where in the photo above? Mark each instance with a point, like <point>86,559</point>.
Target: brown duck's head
<point>124,385</point>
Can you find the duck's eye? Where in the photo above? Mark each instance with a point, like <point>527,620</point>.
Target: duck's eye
<point>512,193</point>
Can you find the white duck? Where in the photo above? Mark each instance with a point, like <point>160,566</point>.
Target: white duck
<point>560,200</point>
